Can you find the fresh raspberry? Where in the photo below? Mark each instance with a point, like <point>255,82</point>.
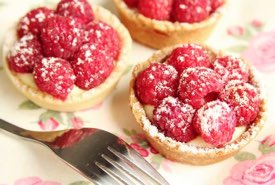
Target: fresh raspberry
<point>156,82</point>
<point>33,21</point>
<point>54,76</point>
<point>25,52</point>
<point>190,11</point>
<point>215,4</point>
<point>244,99</point>
<point>131,3</point>
<point>199,84</point>
<point>215,122</point>
<point>231,68</point>
<point>61,37</point>
<point>189,55</point>
<point>155,9</point>
<point>91,66</point>
<point>98,32</point>
<point>80,10</point>
<point>174,119</point>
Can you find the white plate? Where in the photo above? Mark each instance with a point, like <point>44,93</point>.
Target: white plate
<point>26,163</point>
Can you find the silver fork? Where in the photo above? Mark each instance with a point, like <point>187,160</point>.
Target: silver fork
<point>100,156</point>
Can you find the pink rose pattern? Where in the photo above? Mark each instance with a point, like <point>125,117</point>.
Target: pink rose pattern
<point>267,145</point>
<point>48,125</point>
<point>258,48</point>
<point>77,122</point>
<point>261,51</point>
<point>50,120</point>
<point>235,31</point>
<point>269,141</point>
<point>34,181</point>
<point>253,172</point>
<point>51,123</point>
<point>256,23</point>
<point>138,142</point>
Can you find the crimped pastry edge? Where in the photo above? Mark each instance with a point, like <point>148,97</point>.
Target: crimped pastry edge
<point>158,34</point>
<point>182,152</point>
<point>88,98</point>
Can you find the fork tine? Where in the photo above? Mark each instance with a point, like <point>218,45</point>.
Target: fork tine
<point>114,174</point>
<point>122,169</point>
<point>146,167</point>
<point>103,178</point>
<point>141,170</point>
<point>95,182</point>
<point>117,166</point>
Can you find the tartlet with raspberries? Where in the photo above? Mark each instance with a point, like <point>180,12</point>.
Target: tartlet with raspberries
<point>163,23</point>
<point>196,105</point>
<point>67,58</point>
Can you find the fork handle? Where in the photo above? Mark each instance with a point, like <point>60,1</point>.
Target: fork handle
<point>12,128</point>
<point>38,136</point>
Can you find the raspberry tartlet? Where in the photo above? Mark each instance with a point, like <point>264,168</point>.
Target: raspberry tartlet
<point>68,57</point>
<point>193,111</point>
<point>163,23</point>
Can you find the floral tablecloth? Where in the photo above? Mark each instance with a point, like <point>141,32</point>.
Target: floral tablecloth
<point>247,29</point>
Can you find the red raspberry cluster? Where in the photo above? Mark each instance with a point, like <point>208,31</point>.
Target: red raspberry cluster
<point>188,11</point>
<point>193,95</point>
<point>64,47</point>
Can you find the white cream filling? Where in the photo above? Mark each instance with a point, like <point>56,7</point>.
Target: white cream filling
<point>198,141</point>
<point>27,78</point>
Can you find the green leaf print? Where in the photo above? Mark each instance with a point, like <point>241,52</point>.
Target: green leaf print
<point>51,114</point>
<point>127,132</point>
<point>243,156</point>
<point>237,48</point>
<point>69,118</point>
<point>28,105</point>
<point>247,34</point>
<point>134,132</point>
<point>2,4</point>
<point>156,161</point>
<point>265,149</point>
<point>80,183</point>
<point>143,144</point>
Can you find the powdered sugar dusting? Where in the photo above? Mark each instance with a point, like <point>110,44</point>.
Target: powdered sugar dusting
<point>230,147</point>
<point>244,98</point>
<point>100,33</point>
<point>211,113</point>
<point>185,147</point>
<point>174,119</point>
<point>91,66</point>
<point>33,21</point>
<point>78,9</point>
<point>216,122</point>
<point>196,83</point>
<point>24,53</point>
<point>189,55</point>
<point>231,68</point>
<point>21,46</point>
<point>159,80</point>
<point>190,11</point>
<point>61,37</point>
<point>54,76</point>
<point>40,16</point>
<point>183,6</point>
